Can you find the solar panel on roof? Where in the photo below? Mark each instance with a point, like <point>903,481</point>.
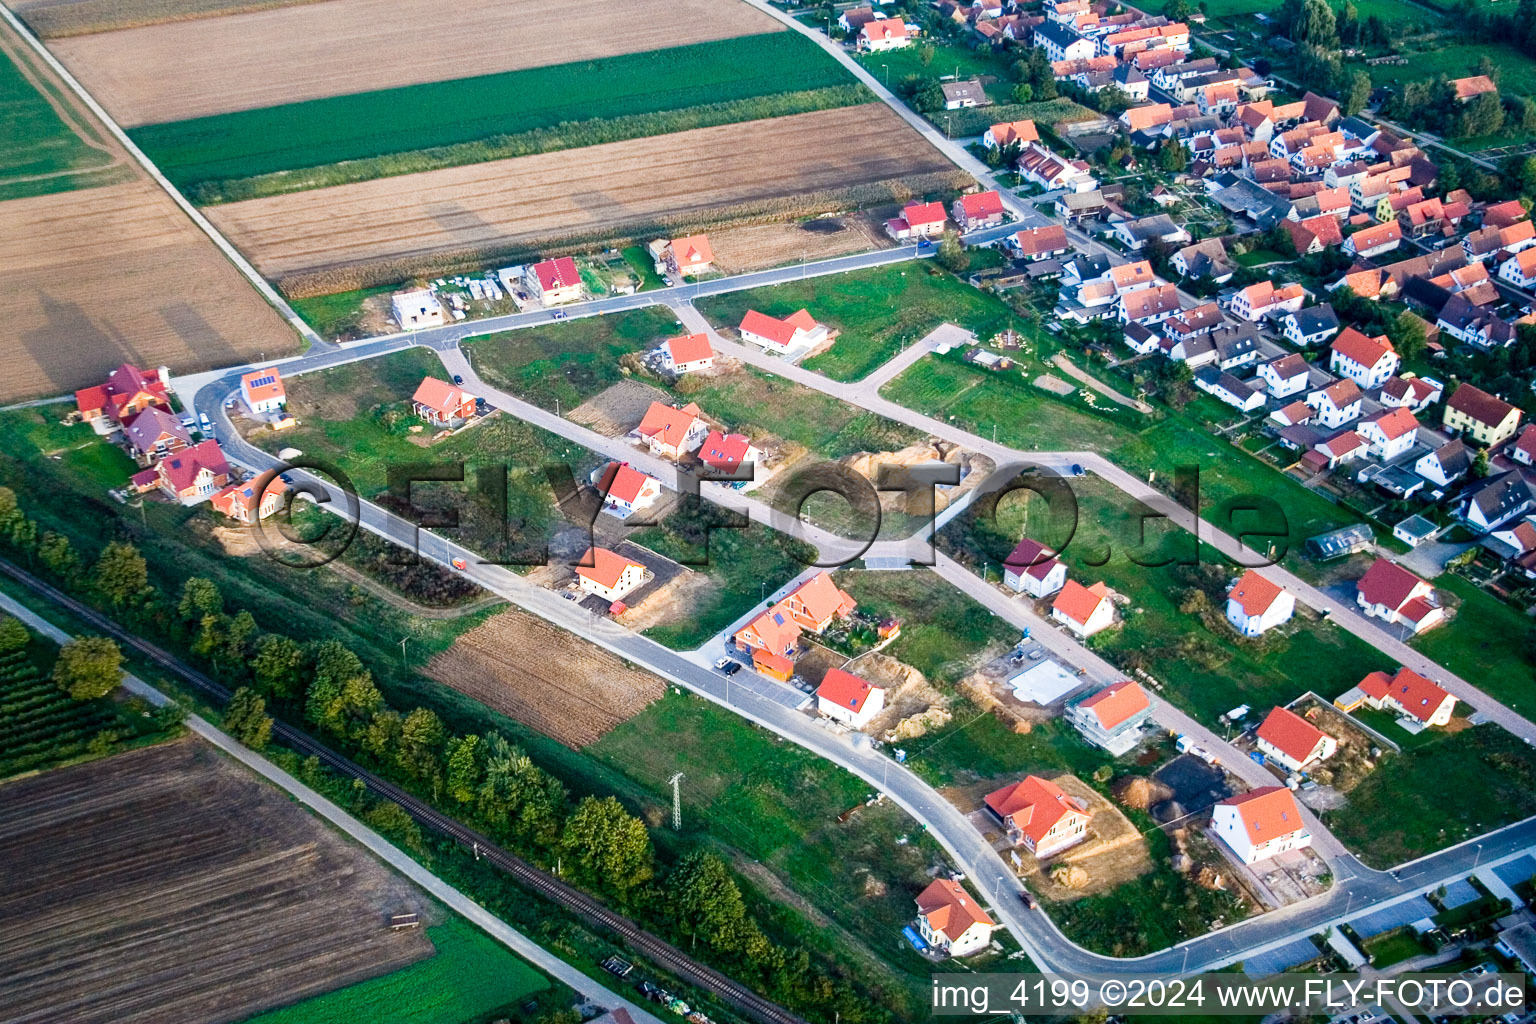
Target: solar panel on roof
<point>261,382</point>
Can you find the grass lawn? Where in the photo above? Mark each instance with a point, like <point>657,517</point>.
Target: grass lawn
<point>1400,810</point>
<point>1517,72</point>
<point>738,560</point>
<point>38,143</point>
<point>436,114</point>
<point>1024,416</point>
<point>878,311</point>
<point>943,632</point>
<point>1259,256</point>
<point>642,264</point>
<point>1393,948</point>
<point>338,313</point>
<point>891,66</point>
<point>1484,644</point>
<point>569,361</point>
<point>470,977</point>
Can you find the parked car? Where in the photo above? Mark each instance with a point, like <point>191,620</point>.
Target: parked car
<point>460,564</point>
<point>459,380</point>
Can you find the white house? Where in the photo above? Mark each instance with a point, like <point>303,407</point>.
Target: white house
<point>624,489</point>
<point>1337,404</point>
<point>1390,433</point>
<point>611,575</point>
<point>1391,593</point>
<point>1311,326</point>
<point>1228,388</point>
<point>1285,376</point>
<point>1033,569</point>
<point>1112,718</point>
<point>416,309</point>
<point>844,697</point>
<point>1366,361</point>
<point>1293,742</point>
<point>1520,269</point>
<point>951,921</point>
<point>1446,464</point>
<point>1083,610</point>
<point>671,431</point>
<point>1263,299</point>
<point>1261,823</point>
<point>1256,605</point>
<point>1376,241</point>
<point>1412,393</point>
<point>1422,703</point>
<point>263,390</point>
<point>797,332</point>
<point>879,34</point>
<point>686,353</point>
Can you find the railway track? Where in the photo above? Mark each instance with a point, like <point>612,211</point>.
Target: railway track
<point>654,948</point>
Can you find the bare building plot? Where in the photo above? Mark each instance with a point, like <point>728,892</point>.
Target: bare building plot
<point>397,226</point>
<point>183,69</point>
<point>168,884</point>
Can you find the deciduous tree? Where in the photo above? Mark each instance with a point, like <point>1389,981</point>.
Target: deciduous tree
<point>89,667</point>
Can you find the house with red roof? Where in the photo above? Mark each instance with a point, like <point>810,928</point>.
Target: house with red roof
<point>1391,593</point>
<point>950,920</point>
<point>1345,446</point>
<point>1370,242</point>
<point>1010,133</point>
<point>1390,433</point>
<point>798,332</point>
<point>126,392</point>
<point>1485,418</point>
<point>263,390</point>
<point>690,256</point>
<point>154,434</point>
<point>1112,718</point>
<point>1366,361</point>
<point>727,454</point>
<point>610,575</point>
<point>819,602</point>
<point>1033,569</point>
<point>442,404</point>
<point>978,210</point>
<point>671,431</point>
<point>846,698</point>
<point>193,474</point>
<point>1410,392</point>
<point>774,631</point>
<point>1256,604</point>
<point>1468,89</point>
<point>1263,299</point>
<point>918,220</point>
<point>686,353</point>
<point>880,34</point>
<point>625,490</point>
<point>1039,815</point>
<point>1261,823</point>
<point>1083,610</point>
<point>1420,702</point>
<point>242,502</point>
<point>1291,741</point>
<point>1523,448</point>
<point>554,282</point>
<point>1039,243</point>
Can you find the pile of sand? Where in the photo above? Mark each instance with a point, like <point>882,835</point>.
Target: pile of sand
<point>1139,793</point>
<point>1070,875</point>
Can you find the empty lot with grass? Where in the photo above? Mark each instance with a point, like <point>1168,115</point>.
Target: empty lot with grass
<point>394,228</point>
<point>265,58</point>
<point>168,884</point>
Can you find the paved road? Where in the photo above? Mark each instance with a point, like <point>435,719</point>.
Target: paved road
<point>587,988</point>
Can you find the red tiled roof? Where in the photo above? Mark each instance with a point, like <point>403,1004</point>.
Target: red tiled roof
<point>1033,241</point>
<point>923,214</point>
<point>1009,132</point>
<point>1267,813</point>
<point>845,689</point>
<point>692,251</point>
<point>689,348</point>
<point>1289,733</point>
<point>822,598</point>
<point>780,332</point>
<point>558,273</point>
<point>1255,593</point>
<point>1418,696</point>
<point>1479,404</point>
<point>1352,345</point>
<point>950,910</point>
<point>1078,602</point>
<point>980,205</point>
<point>1033,805</point>
<point>881,29</point>
<point>1387,583</point>
<point>622,481</point>
<point>440,396</point>
<point>263,384</point>
<point>1394,423</point>
<point>182,468</point>
<point>667,422</point>
<point>1117,703</point>
<point>724,452</point>
<point>606,568</point>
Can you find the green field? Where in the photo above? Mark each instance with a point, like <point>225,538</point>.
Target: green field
<point>1484,644</point>
<point>313,133</point>
<point>878,311</point>
<point>1517,72</point>
<point>943,632</point>
<point>41,152</point>
<point>570,361</point>
<point>470,977</point>
<point>1401,810</point>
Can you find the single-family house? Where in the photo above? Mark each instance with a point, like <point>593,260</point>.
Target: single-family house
<point>1112,718</point>
<point>154,434</point>
<point>1033,569</point>
<point>773,633</point>
<point>126,392</point>
<point>1314,234</point>
<point>880,34</point>
<point>1486,419</point>
<point>1407,693</point>
<point>610,575</point>
<point>1468,89</point>
<point>1135,234</point>
<point>1489,504</point>
<point>1345,446</point>
<point>1391,593</point>
<point>1205,258</point>
<point>1337,404</point>
<point>1523,450</point>
<point>1083,610</point>
<point>819,602</point>
<point>242,503</point>
<point>691,256</point>
<point>1261,823</point>
<point>1149,305</point>
<point>1039,815</point>
<point>416,309</point>
<point>554,281</point>
<point>726,455</point>
<point>1228,388</point>
<point>193,474</point>
<point>1291,741</point>
<point>797,332</point>
<point>1412,393</point>
<point>1285,376</point>
<point>625,490</point>
<point>671,431</point>
<point>1263,299</point>
<point>1520,269</point>
<point>950,920</point>
<point>1376,241</point>
<point>846,698</point>
<point>1010,133</point>
<point>964,95</point>
<point>1256,604</point>
<point>263,390</point>
<point>442,404</point>
<point>1366,361</point>
<point>918,220</point>
<point>686,353</point>
<point>1446,464</point>
<point>978,210</point>
<point>1039,243</point>
<point>1131,277</point>
<point>1390,433</point>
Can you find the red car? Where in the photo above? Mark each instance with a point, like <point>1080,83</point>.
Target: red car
<point>460,564</point>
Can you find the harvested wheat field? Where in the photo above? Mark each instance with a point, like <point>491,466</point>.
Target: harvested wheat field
<point>168,884</point>
<point>92,278</point>
<point>401,224</point>
<point>54,18</point>
<point>183,69</point>
<point>554,681</point>
<point>751,247</point>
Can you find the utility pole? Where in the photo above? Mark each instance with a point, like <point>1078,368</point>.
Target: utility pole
<point>677,803</point>
<point>403,663</point>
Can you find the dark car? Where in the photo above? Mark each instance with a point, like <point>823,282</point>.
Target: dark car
<point>458,380</point>
<point>1077,470</point>
<point>731,668</point>
<point>1028,900</point>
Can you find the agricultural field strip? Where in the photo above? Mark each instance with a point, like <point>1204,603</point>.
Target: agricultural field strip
<point>362,834</point>
<point>268,58</point>
<point>230,252</point>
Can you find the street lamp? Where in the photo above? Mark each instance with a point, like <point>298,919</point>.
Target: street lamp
<point>887,69</point>
<point>1478,856</point>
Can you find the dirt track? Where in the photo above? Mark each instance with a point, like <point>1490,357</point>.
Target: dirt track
<point>90,279</point>
<point>183,69</point>
<point>571,690</point>
<point>169,885</point>
<point>574,192</point>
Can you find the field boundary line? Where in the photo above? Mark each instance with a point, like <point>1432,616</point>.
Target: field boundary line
<point>230,252</point>
<point>588,988</point>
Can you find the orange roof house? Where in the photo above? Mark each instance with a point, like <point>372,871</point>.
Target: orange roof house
<point>817,602</point>
<point>1040,815</point>
<point>625,487</point>
<point>1261,823</point>
<point>671,431</point>
<point>1114,705</point>
<point>1113,717</point>
<point>950,920</point>
<point>1470,88</point>
<point>193,474</point>
<point>776,334</point>
<point>126,392</point>
<point>611,575</point>
<point>692,255</point>
<point>773,631</point>
<point>844,697</point>
<point>441,403</point>
<point>239,501</point>
<point>688,352</point>
<point>263,390</point>
<point>1083,610</point>
<point>1407,693</point>
<point>1010,133</point>
<point>1292,741</point>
